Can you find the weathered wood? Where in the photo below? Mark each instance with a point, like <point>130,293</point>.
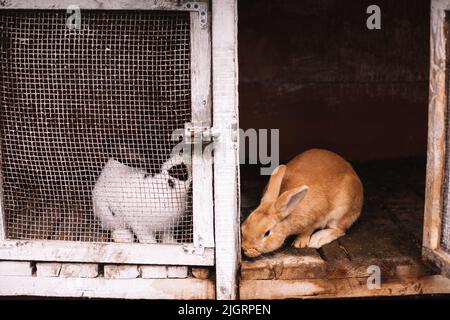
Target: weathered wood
<point>91,4</point>
<point>202,169</point>
<point>108,288</point>
<point>201,272</point>
<point>48,269</point>
<point>177,272</point>
<point>333,251</point>
<point>437,133</point>
<point>153,272</point>
<point>15,268</point>
<point>130,253</point>
<point>389,268</point>
<point>341,288</point>
<point>289,263</point>
<point>79,270</point>
<point>113,271</point>
<point>438,258</point>
<point>436,125</point>
<point>225,119</point>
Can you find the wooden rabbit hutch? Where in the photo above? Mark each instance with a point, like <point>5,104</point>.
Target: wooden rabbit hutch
<point>363,93</point>
<point>91,98</point>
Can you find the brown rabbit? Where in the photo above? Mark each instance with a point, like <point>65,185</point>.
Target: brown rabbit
<point>317,189</point>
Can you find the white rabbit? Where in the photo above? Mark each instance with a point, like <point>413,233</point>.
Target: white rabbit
<point>129,200</point>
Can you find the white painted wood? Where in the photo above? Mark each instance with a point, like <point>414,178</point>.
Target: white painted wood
<point>48,269</point>
<point>225,104</point>
<point>153,272</point>
<point>202,168</point>
<point>121,271</point>
<point>15,268</point>
<point>201,113</point>
<point>93,4</point>
<point>79,270</point>
<point>438,101</point>
<point>108,288</point>
<point>131,253</point>
<point>177,272</point>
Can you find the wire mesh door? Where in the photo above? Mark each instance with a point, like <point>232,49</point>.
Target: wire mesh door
<point>87,121</point>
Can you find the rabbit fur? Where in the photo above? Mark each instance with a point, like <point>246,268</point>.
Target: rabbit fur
<point>317,196</point>
<point>129,201</point>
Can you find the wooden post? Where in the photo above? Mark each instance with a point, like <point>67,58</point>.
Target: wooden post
<point>226,155</point>
<point>437,123</point>
<point>202,167</point>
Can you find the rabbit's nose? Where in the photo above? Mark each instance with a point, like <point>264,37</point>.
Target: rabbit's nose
<point>252,253</point>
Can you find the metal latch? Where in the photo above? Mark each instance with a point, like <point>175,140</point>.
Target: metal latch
<point>199,133</point>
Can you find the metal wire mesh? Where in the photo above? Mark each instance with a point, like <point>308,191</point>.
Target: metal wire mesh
<point>74,100</point>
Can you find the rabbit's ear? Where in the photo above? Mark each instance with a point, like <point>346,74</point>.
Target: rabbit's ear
<point>273,187</point>
<point>179,172</point>
<point>289,200</point>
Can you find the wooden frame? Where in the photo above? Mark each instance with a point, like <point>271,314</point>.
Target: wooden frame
<point>340,288</point>
<point>226,153</point>
<point>189,288</point>
<point>437,123</point>
<point>201,252</point>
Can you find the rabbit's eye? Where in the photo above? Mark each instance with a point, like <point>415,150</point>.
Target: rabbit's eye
<point>267,233</point>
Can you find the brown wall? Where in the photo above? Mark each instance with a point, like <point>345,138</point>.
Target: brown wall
<point>313,69</point>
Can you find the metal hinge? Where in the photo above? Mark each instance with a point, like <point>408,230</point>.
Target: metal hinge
<point>199,133</point>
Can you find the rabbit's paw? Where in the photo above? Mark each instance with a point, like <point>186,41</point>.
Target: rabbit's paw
<point>168,238</point>
<point>148,239</point>
<point>122,235</point>
<point>301,241</point>
<point>323,237</point>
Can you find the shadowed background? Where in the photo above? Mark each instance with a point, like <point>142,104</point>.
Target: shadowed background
<point>313,69</point>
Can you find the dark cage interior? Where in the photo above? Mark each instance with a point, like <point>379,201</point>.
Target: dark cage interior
<point>116,86</point>
<point>321,77</point>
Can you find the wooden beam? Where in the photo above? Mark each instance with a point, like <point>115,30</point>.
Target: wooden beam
<point>289,263</point>
<point>202,167</point>
<point>341,288</point>
<point>107,288</point>
<point>226,154</point>
<point>92,4</point>
<point>437,126</point>
<point>131,253</point>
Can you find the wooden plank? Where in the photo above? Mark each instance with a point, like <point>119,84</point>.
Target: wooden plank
<point>202,167</point>
<point>439,258</point>
<point>298,264</point>
<point>436,125</point>
<point>131,253</point>
<point>289,263</point>
<point>389,268</point>
<point>377,238</point>
<point>333,251</point>
<point>341,288</point>
<point>93,4</point>
<point>225,104</point>
<point>375,235</point>
<point>107,288</point>
<point>405,207</point>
